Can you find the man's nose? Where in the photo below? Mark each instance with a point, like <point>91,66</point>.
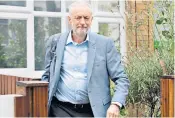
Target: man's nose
<point>82,20</point>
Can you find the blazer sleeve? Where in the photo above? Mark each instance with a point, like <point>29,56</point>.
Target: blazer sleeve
<point>48,46</point>
<point>117,73</point>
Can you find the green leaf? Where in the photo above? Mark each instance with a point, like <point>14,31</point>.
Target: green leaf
<point>165,33</point>
<point>156,44</point>
<point>169,36</point>
<point>160,21</point>
<point>162,13</point>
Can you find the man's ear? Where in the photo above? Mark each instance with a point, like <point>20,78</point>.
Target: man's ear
<point>69,19</point>
<point>92,18</point>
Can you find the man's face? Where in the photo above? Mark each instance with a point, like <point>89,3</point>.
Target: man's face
<point>80,20</point>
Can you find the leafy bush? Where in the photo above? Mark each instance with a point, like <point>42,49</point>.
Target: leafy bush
<point>144,68</point>
<point>144,75</point>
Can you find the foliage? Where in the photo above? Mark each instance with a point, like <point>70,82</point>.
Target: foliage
<point>2,55</point>
<point>144,74</point>
<point>164,26</point>
<point>13,46</point>
<point>144,68</point>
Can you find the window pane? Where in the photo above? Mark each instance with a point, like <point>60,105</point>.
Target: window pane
<point>68,3</point>
<point>50,6</point>
<point>108,6</point>
<point>12,43</point>
<point>44,27</point>
<point>13,3</point>
<point>111,30</point>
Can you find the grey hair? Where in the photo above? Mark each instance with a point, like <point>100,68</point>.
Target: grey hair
<point>79,3</point>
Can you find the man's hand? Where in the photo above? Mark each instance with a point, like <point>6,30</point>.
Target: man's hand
<point>113,111</point>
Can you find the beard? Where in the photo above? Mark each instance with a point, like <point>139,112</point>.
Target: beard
<point>81,32</point>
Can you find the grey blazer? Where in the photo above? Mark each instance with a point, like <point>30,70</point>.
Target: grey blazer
<point>103,62</point>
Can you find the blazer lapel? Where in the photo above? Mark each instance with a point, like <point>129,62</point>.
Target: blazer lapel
<point>60,50</point>
<point>91,55</point>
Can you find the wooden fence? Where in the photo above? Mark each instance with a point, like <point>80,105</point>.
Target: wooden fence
<point>8,83</point>
<point>34,100</point>
<point>167,96</point>
<point>27,98</point>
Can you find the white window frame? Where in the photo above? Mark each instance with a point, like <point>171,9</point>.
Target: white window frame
<point>107,17</point>
<point>18,9</point>
<point>122,31</point>
<point>108,14</point>
<point>27,13</point>
<point>29,41</point>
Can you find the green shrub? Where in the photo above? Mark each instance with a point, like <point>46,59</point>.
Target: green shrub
<point>144,75</point>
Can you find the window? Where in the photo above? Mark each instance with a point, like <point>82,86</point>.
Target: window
<point>110,21</point>
<point>44,27</point>
<point>68,3</point>
<point>26,24</point>
<point>108,6</point>
<point>50,6</point>
<point>111,30</point>
<point>13,43</point>
<point>13,3</point>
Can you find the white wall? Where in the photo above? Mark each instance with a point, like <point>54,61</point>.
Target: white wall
<point>7,105</point>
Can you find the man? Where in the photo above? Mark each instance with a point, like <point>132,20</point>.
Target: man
<point>78,73</point>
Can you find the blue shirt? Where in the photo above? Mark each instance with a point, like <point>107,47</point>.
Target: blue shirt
<point>72,86</point>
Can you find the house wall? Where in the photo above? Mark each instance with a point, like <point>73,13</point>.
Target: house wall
<point>139,26</point>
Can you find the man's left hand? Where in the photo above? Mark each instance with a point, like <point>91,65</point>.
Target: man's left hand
<point>113,111</point>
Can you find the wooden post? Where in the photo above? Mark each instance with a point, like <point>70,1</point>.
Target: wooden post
<point>167,96</point>
<point>8,104</point>
<point>8,83</point>
<point>36,97</point>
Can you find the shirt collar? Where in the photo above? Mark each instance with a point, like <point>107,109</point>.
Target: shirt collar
<point>69,40</point>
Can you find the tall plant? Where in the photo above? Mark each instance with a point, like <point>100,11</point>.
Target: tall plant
<point>164,40</point>
<point>144,68</point>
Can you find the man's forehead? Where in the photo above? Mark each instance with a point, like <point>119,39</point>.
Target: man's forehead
<point>81,14</point>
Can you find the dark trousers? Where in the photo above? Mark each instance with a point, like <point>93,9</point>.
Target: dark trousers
<point>65,109</point>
